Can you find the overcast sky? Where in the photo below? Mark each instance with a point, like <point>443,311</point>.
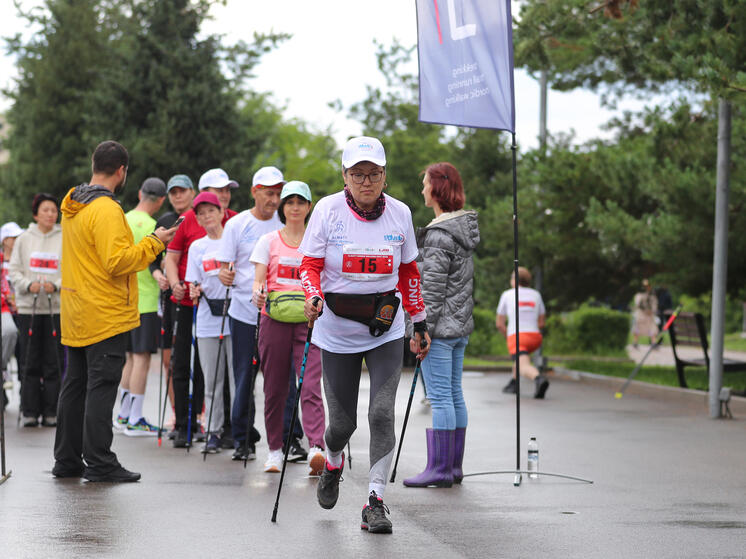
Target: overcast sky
<point>331,56</point>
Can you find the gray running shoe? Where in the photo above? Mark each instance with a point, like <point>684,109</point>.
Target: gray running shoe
<point>374,516</point>
<point>327,491</point>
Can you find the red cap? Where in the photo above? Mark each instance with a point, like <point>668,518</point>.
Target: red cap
<point>205,198</point>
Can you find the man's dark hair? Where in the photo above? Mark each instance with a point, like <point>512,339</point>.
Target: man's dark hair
<point>108,157</point>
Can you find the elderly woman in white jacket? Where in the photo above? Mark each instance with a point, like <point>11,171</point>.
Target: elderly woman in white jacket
<point>35,275</point>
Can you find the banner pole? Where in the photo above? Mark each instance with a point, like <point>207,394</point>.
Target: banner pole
<point>517,480</point>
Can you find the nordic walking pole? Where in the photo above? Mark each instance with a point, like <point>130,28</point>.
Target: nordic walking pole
<point>193,356</point>
<point>417,369</point>
<point>632,375</point>
<point>254,372</point>
<point>169,376</point>
<point>54,334</point>
<point>160,368</point>
<point>26,357</point>
<point>295,413</point>
<point>3,475</point>
<point>217,366</point>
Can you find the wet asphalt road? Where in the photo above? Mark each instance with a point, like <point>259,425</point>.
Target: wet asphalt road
<point>669,482</point>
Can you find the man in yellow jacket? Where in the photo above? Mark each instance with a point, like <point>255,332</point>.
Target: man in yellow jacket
<point>98,309</point>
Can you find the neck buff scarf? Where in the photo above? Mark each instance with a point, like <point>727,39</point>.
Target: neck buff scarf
<point>367,215</point>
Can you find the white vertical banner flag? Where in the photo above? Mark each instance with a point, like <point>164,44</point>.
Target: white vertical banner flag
<point>465,52</point>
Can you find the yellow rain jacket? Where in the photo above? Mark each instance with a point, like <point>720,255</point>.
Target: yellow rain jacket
<point>99,267</point>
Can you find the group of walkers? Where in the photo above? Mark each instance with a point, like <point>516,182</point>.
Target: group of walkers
<point>283,287</point>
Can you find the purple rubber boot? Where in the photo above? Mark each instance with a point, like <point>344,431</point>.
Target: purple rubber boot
<point>458,454</point>
<point>439,469</point>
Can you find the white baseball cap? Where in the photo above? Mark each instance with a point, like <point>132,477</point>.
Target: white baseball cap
<point>10,229</point>
<point>216,178</point>
<point>267,176</point>
<point>363,148</point>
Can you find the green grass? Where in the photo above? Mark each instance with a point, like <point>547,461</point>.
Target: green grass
<point>666,376</point>
<point>477,362</point>
<point>735,342</point>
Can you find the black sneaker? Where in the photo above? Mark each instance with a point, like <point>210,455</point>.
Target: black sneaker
<point>172,434</point>
<point>226,441</point>
<point>212,446</point>
<point>374,516</point>
<point>198,432</point>
<point>239,454</point>
<point>510,387</point>
<point>181,440</point>
<point>327,491</point>
<point>297,452</point>
<point>119,475</point>
<point>542,383</point>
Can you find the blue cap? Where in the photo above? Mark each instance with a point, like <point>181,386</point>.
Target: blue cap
<point>182,181</point>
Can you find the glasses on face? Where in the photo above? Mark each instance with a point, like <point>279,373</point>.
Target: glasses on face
<point>359,178</point>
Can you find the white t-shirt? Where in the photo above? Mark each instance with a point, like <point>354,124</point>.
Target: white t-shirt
<point>360,257</point>
<point>239,237</point>
<point>203,267</point>
<point>530,306</point>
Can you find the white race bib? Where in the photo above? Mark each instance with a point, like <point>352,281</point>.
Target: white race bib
<point>367,263</point>
<point>44,263</point>
<point>288,270</point>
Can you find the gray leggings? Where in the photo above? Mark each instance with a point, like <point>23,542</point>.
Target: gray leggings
<point>341,373</point>
<point>208,356</point>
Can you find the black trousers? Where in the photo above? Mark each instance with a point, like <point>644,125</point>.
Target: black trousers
<point>84,430</point>
<point>41,382</point>
<point>181,365</point>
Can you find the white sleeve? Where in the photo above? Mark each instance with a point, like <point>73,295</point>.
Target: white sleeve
<point>315,237</point>
<point>229,241</point>
<point>502,307</point>
<point>260,254</point>
<point>409,251</point>
<point>194,265</point>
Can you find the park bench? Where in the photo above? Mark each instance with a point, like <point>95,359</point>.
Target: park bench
<point>689,330</point>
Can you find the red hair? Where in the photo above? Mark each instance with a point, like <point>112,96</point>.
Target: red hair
<point>446,187</point>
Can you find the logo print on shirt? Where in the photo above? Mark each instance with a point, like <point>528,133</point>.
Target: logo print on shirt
<point>394,238</point>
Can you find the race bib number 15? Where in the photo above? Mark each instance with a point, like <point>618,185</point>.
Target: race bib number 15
<point>366,263</point>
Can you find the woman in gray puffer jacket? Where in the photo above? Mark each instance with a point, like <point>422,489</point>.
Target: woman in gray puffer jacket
<point>447,270</point>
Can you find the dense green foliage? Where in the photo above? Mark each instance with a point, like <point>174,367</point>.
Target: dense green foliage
<point>139,72</point>
<point>588,330</point>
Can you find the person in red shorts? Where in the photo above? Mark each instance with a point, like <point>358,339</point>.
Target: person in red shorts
<point>532,318</point>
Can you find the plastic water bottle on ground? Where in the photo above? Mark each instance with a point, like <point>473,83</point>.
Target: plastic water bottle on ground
<point>533,458</point>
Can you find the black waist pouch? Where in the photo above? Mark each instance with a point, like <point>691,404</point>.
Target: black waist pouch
<point>216,305</point>
<point>375,310</point>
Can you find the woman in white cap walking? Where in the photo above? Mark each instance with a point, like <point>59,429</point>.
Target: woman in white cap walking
<point>284,328</point>
<point>359,260</point>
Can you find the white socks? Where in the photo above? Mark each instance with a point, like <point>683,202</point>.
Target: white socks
<point>378,488</point>
<point>334,458</point>
<point>136,408</point>
<point>125,401</point>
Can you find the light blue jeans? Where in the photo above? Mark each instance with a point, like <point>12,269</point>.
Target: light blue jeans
<point>442,369</point>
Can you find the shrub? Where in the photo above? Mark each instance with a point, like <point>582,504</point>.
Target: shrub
<point>485,340</point>
<point>595,330</point>
<point>703,305</point>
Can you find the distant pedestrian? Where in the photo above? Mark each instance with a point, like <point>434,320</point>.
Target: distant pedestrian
<point>217,182</point>
<point>208,294</point>
<point>238,242</point>
<point>645,314</point>
<point>35,271</point>
<point>446,247</point>
<point>143,340</point>
<point>532,317</point>
<point>284,328</point>
<point>99,308</point>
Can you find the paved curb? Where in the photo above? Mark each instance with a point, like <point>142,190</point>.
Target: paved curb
<point>649,390</point>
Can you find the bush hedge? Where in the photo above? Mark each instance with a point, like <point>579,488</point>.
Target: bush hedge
<point>485,340</point>
<point>594,330</point>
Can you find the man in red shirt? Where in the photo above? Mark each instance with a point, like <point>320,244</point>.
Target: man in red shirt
<point>217,182</point>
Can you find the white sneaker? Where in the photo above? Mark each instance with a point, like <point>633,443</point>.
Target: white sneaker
<point>274,461</point>
<point>316,459</point>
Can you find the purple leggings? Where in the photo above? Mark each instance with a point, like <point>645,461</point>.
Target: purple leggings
<point>278,343</point>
